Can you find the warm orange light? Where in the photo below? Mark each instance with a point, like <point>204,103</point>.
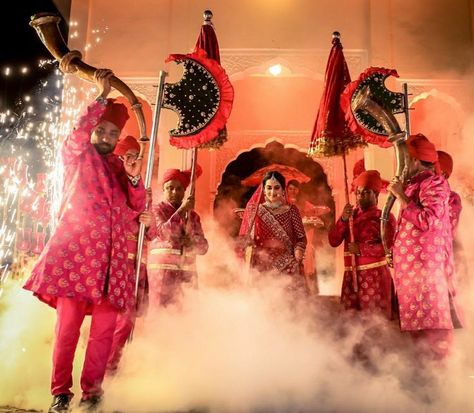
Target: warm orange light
<point>275,70</point>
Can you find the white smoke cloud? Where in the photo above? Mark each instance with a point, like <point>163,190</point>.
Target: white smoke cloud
<point>235,348</point>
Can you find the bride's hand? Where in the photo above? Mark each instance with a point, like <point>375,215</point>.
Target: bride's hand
<point>299,254</point>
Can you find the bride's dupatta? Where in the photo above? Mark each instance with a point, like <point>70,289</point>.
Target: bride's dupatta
<point>247,228</point>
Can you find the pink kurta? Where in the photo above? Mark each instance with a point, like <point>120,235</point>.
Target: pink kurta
<point>86,257</point>
<point>373,275</point>
<point>169,264</point>
<point>422,253</point>
<point>455,207</point>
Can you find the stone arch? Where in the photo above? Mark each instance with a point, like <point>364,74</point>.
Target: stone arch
<point>232,194</point>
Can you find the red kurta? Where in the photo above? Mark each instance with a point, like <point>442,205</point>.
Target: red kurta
<point>423,259</point>
<point>86,257</point>
<point>374,280</point>
<point>168,266</point>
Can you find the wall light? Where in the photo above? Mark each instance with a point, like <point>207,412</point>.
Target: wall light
<point>275,70</point>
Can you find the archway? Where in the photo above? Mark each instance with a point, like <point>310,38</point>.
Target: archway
<point>231,194</point>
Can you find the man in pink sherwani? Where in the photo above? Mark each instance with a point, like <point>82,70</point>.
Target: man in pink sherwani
<point>172,254</point>
<point>84,267</point>
<point>373,276</point>
<point>422,253</point>
<point>128,150</point>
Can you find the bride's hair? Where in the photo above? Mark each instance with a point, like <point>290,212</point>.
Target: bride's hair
<point>275,175</point>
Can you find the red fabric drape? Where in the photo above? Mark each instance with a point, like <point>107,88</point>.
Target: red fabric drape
<point>330,135</point>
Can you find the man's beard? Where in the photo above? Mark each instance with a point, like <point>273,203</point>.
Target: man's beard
<point>365,205</point>
<point>103,148</point>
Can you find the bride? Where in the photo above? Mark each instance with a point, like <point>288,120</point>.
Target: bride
<point>274,230</point>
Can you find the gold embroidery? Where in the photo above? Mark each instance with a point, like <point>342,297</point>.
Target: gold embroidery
<point>368,266</point>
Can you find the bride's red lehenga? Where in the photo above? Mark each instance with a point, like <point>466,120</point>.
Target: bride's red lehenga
<point>276,232</point>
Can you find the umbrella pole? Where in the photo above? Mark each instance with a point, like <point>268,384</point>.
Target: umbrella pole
<point>192,192</point>
<point>351,227</point>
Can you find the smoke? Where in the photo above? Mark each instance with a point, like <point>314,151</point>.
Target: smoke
<point>234,347</point>
<point>26,334</point>
<point>231,347</point>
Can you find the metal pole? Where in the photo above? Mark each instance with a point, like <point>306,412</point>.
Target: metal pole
<point>407,109</point>
<point>355,283</point>
<point>149,175</point>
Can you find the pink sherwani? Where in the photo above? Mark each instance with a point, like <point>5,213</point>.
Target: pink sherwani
<point>374,280</point>
<point>86,257</point>
<point>83,268</point>
<point>423,259</point>
<point>168,266</point>
<point>455,207</point>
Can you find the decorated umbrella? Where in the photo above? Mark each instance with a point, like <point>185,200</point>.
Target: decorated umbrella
<point>370,108</point>
<point>331,135</point>
<point>203,97</point>
<point>288,172</point>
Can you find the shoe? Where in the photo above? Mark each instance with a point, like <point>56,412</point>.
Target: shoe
<point>91,404</point>
<point>60,403</point>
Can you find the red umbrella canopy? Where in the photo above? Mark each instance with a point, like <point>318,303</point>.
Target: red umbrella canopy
<point>207,39</point>
<point>288,172</point>
<point>331,136</point>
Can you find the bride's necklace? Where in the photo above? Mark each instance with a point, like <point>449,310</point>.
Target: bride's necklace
<point>273,205</point>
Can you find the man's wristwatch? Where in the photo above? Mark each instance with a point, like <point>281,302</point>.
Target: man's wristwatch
<point>134,179</point>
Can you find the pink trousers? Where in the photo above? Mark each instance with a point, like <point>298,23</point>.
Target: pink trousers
<point>70,315</point>
<point>432,345</point>
<point>124,326</point>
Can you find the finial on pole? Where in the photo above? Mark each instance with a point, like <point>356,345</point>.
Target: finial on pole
<point>207,15</point>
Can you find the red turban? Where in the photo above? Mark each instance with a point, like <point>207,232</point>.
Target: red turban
<point>359,167</point>
<point>126,144</point>
<point>116,113</point>
<point>182,176</point>
<point>369,179</point>
<point>419,147</point>
<point>445,163</point>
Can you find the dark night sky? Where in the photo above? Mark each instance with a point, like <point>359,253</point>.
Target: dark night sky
<point>21,47</point>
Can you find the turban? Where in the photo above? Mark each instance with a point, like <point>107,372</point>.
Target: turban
<point>359,167</point>
<point>419,147</point>
<point>182,176</point>
<point>116,113</point>
<point>445,163</point>
<point>126,144</point>
<point>370,180</point>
